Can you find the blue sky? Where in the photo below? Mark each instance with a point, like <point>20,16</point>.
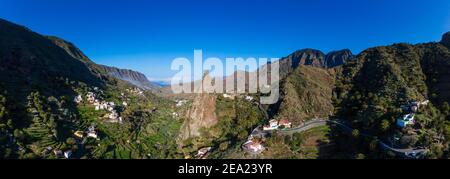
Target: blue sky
<point>146,35</point>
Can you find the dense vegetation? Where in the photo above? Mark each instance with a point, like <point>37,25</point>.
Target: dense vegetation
<point>41,76</point>
<point>370,91</point>
<point>306,94</point>
<point>39,79</point>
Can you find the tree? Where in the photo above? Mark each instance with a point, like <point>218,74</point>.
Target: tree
<point>29,156</point>
<point>360,156</point>
<point>223,146</point>
<point>10,123</point>
<point>446,108</point>
<point>3,111</point>
<point>385,125</point>
<point>355,133</point>
<point>373,144</point>
<point>71,141</point>
<point>19,134</point>
<point>242,134</point>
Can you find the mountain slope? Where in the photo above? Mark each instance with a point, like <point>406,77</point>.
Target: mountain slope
<point>133,77</point>
<point>136,78</point>
<point>39,114</point>
<point>371,90</point>
<point>201,114</point>
<point>307,94</point>
<point>29,58</point>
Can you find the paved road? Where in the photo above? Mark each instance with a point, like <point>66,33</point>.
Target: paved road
<point>408,153</point>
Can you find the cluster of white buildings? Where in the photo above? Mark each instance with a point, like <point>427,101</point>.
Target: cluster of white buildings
<point>90,133</point>
<point>277,124</point>
<point>109,106</point>
<point>180,102</point>
<point>233,96</point>
<point>92,98</point>
<point>411,109</point>
<point>228,96</point>
<point>135,91</point>
<point>249,98</point>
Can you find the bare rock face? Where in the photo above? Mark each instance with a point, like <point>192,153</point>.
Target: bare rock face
<point>136,78</point>
<point>314,58</point>
<point>202,114</point>
<point>338,58</point>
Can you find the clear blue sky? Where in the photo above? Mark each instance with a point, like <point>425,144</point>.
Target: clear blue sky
<point>145,35</point>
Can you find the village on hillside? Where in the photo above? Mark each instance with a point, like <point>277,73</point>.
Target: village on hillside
<point>94,99</point>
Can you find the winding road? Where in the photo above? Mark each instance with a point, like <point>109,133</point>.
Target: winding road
<point>407,153</point>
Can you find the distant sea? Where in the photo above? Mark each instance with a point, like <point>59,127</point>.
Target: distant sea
<point>161,83</point>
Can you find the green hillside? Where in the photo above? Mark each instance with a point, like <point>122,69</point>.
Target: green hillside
<point>371,90</point>
<point>39,79</point>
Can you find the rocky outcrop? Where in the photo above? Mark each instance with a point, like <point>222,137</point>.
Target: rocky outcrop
<point>314,58</point>
<point>338,58</point>
<point>136,78</point>
<point>202,114</point>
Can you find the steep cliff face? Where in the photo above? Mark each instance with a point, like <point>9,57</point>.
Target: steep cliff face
<point>314,58</point>
<point>202,114</point>
<point>136,78</point>
<point>133,77</point>
<point>338,58</point>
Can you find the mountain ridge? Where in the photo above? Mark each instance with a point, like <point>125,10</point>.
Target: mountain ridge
<point>134,77</point>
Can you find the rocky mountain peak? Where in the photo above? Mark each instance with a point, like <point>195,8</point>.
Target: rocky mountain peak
<point>337,58</point>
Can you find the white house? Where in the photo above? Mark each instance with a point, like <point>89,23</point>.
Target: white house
<point>90,97</point>
<point>181,103</point>
<point>424,103</point>
<point>228,96</point>
<point>92,134</point>
<point>78,99</point>
<point>254,146</point>
<point>202,152</point>
<point>68,154</point>
<point>273,125</point>
<point>406,120</point>
<point>285,123</point>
